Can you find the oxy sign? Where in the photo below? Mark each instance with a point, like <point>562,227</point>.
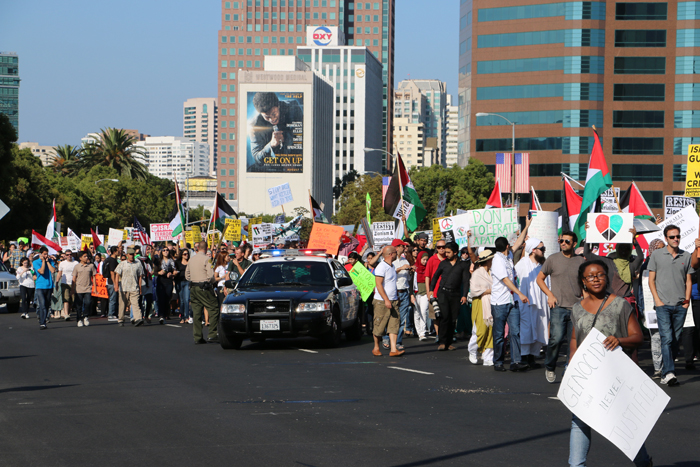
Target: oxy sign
<point>323,36</point>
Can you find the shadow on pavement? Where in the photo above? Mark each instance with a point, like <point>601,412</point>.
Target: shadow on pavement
<point>9,357</point>
<point>36,388</point>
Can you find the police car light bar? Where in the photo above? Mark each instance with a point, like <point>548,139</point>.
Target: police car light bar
<point>306,252</point>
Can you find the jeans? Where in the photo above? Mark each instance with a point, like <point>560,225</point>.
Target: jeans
<point>670,319</point>
<point>113,300</point>
<point>502,313</point>
<point>147,304</point>
<point>580,444</point>
<point>43,302</point>
<point>82,305</point>
<point>560,327</point>
<point>404,311</point>
<point>27,296</point>
<point>183,289</point>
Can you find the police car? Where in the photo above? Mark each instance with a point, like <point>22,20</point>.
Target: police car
<point>290,293</point>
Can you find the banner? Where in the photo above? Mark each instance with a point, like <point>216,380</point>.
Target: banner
<point>213,238</point>
<point>611,394</point>
<point>190,238</point>
<point>382,233</point>
<point>363,280</point>
<point>687,220</point>
<point>279,195</point>
<point>673,204</point>
<point>437,235</point>
<point>489,224</point>
<point>442,204</point>
<point>233,230</point>
<point>275,140</point>
<point>403,210</point>
<point>612,228</point>
<point>544,228</point>
<point>99,286</point>
<point>608,202</point>
<point>161,233</point>
<point>455,229</point>
<point>325,237</point>
<point>692,172</point>
<point>115,236</point>
<point>261,234</point>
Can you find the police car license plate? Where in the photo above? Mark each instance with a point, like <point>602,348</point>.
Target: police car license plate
<point>269,325</point>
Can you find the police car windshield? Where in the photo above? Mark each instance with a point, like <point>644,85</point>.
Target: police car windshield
<point>288,272</point>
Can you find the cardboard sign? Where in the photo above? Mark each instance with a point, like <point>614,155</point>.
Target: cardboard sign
<point>489,224</point>
<point>611,228</point>
<point>115,236</point>
<point>403,210</point>
<point>364,223</point>
<point>279,195</point>
<point>363,280</point>
<point>99,286</point>
<point>437,235</point>
<point>455,229</point>
<point>673,204</point>
<point>190,238</point>
<point>611,394</point>
<point>383,233</point>
<point>692,172</point>
<point>687,220</point>
<point>233,230</point>
<point>544,228</point>
<point>325,237</point>
<point>197,233</point>
<point>213,238</point>
<point>161,233</point>
<point>608,202</point>
<point>649,311</point>
<point>442,204</point>
<point>261,234</point>
<point>255,220</point>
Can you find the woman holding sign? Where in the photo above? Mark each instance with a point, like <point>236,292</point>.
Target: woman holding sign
<point>611,315</point>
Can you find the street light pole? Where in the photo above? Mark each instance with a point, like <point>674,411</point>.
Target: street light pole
<point>512,159</point>
<point>380,150</point>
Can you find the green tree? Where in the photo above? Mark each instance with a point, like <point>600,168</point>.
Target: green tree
<point>340,185</point>
<point>115,148</point>
<point>352,206</point>
<point>66,159</point>
<point>306,222</point>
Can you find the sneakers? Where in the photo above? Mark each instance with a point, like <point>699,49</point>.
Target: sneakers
<point>42,327</point>
<point>488,362</point>
<point>86,322</point>
<point>657,374</point>
<point>25,315</point>
<point>669,379</point>
<point>80,323</point>
<point>190,321</point>
<point>474,359</point>
<point>550,375</point>
<point>112,318</point>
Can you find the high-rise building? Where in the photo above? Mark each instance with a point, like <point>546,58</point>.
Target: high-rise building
<point>556,69</point>
<point>251,29</point>
<point>451,151</point>
<point>409,138</point>
<point>9,87</point>
<point>44,153</point>
<point>200,123</point>
<point>175,157</point>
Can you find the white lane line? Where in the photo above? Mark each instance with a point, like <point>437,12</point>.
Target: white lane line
<point>173,325</point>
<point>307,350</point>
<point>408,369</point>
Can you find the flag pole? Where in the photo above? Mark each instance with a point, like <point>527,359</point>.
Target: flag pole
<point>313,216</point>
<point>569,178</point>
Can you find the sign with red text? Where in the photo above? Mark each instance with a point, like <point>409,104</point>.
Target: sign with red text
<point>161,233</point>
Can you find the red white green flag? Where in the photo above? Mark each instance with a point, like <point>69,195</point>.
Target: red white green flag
<point>598,180</point>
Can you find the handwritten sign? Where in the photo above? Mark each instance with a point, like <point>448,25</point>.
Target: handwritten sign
<point>213,238</point>
<point>382,233</point>
<point>161,233</point>
<point>455,228</point>
<point>403,210</point>
<point>281,194</point>
<point>363,280</point>
<point>687,220</point>
<point>611,394</point>
<point>99,286</point>
<point>609,199</point>
<point>261,235</point>
<point>544,227</point>
<point>489,224</point>
<point>613,228</point>
<point>325,237</point>
<point>233,230</point>
<point>437,235</point>
<point>115,236</point>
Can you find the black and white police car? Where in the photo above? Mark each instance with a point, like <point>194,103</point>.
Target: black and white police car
<point>290,293</point>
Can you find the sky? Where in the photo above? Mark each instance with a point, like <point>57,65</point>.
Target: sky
<point>91,64</point>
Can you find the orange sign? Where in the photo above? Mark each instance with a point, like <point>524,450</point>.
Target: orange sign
<point>99,286</point>
<point>326,237</point>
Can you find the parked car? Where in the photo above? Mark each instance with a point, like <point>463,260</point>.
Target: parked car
<point>9,290</point>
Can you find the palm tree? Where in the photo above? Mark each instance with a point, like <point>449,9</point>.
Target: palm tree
<point>115,148</point>
<point>66,159</point>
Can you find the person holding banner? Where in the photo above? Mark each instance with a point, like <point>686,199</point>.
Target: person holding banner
<point>613,316</point>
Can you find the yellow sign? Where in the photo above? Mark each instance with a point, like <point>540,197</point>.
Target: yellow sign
<point>692,173</point>
<point>255,220</point>
<point>213,238</point>
<point>233,230</point>
<point>197,233</point>
<point>437,235</point>
<point>125,235</point>
<point>189,237</point>
<point>85,241</point>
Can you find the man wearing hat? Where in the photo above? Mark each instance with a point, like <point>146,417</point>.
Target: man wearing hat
<point>421,241</point>
<point>128,285</point>
<point>403,282</point>
<point>534,315</point>
<point>200,274</point>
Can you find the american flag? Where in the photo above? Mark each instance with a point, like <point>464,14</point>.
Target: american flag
<point>140,233</point>
<point>503,170</point>
<point>522,172</point>
<point>385,187</point>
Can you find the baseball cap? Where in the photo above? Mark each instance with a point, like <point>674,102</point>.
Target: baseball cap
<point>397,242</point>
<point>422,236</point>
<point>130,251</point>
<point>256,251</point>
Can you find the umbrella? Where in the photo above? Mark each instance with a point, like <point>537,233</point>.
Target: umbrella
<point>644,226</point>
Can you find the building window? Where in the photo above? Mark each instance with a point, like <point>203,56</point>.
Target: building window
<point>687,92</point>
<point>223,172</point>
<point>639,92</point>
<point>687,65</point>
<point>679,171</point>
<point>688,11</point>
<point>680,145</point>
<point>641,11</point>
<point>232,184</point>
<point>641,146</point>
<point>223,160</point>
<point>638,118</point>
<point>640,38</point>
<point>568,91</point>
<point>687,38</point>
<point>569,10</point>
<point>570,65</point>
<point>569,37</point>
<point>686,119</point>
<point>638,172</point>
<point>231,160</point>
<point>640,65</point>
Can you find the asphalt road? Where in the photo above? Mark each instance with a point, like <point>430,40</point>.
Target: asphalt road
<point>106,395</point>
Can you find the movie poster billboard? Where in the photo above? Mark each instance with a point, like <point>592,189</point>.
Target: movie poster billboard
<point>275,141</point>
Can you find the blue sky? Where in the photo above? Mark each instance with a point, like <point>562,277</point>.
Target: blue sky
<point>87,64</point>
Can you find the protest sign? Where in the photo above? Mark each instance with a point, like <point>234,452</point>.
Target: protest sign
<point>99,286</point>
<point>611,394</point>
<point>692,172</point>
<point>189,238</point>
<point>382,233</point>
<point>544,228</point>
<point>85,241</point>
<point>73,240</point>
<point>367,232</point>
<point>115,236</point>
<point>279,195</point>
<point>196,233</point>
<point>161,233</point>
<point>649,311</point>
<point>255,220</point>
<point>363,280</point>
<point>437,235</point>
<point>442,204</point>
<point>673,204</point>
<point>325,237</point>
<point>614,228</point>
<point>213,238</point>
<point>608,200</point>
<point>687,220</point>
<point>489,224</point>
<point>233,230</point>
<point>455,228</point>
<point>403,210</point>
<point>3,209</point>
<point>261,234</point>
<point>279,219</point>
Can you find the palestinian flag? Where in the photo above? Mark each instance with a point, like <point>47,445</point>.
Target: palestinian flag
<point>495,198</point>
<point>570,208</point>
<point>633,201</point>
<point>534,200</point>
<point>51,227</point>
<point>220,212</point>
<point>316,211</point>
<point>598,180</point>
<point>99,248</point>
<point>39,240</point>
<point>177,225</point>
<point>401,188</point>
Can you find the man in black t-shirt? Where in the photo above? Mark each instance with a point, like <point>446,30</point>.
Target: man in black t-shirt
<point>108,267</point>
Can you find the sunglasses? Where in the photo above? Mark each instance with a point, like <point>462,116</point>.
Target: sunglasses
<point>542,249</point>
<point>440,247</point>
<point>568,242</point>
<point>674,237</point>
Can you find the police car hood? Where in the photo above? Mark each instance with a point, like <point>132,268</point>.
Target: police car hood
<point>295,293</point>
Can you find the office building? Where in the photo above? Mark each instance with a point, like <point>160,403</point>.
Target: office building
<point>556,69</point>
<point>252,29</point>
<point>451,151</point>
<point>409,138</point>
<point>175,157</point>
<point>9,87</point>
<point>288,137</point>
<point>200,123</point>
<point>356,77</point>
<point>45,153</point>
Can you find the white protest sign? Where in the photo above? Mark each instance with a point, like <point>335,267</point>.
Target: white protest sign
<point>279,195</point>
<point>687,220</point>
<point>73,240</point>
<point>649,311</point>
<point>461,211</point>
<point>261,235</point>
<point>608,202</point>
<point>611,394</point>
<point>403,210</point>
<point>382,233</point>
<point>673,204</point>
<point>454,229</point>
<point>689,322</point>
<point>544,228</point>
<point>489,224</point>
<point>611,228</point>
<point>442,204</point>
<point>115,236</point>
<point>161,233</point>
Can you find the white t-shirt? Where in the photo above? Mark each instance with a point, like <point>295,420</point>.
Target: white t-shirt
<point>389,274</point>
<point>403,276</point>
<point>220,271</point>
<point>501,268</point>
<point>66,269</point>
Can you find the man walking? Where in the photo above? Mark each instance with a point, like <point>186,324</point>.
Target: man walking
<point>200,274</point>
<point>128,284</point>
<point>430,269</point>
<point>83,273</point>
<point>108,267</point>
<point>565,291</point>
<point>403,273</point>
<point>65,275</point>
<point>453,291</point>
<point>534,315</point>
<point>670,282</point>
<point>386,303</point>
<point>45,268</point>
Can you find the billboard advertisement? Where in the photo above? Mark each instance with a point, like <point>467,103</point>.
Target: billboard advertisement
<point>324,36</point>
<point>275,141</point>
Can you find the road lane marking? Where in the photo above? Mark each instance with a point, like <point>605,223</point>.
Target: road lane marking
<point>307,350</point>
<point>408,369</point>
<point>173,325</point>
<point>553,398</point>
